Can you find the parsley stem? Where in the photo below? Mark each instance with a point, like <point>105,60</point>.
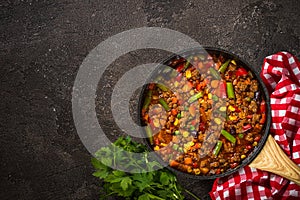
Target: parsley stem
<point>155,197</point>
<point>193,195</point>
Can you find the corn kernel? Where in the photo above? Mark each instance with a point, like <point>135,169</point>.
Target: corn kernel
<point>191,143</point>
<point>254,144</point>
<point>218,121</point>
<point>209,96</point>
<point>156,148</point>
<point>185,150</point>
<point>176,122</point>
<point>231,108</point>
<point>192,92</point>
<point>243,156</point>
<point>233,62</point>
<point>188,74</point>
<point>163,144</point>
<point>222,109</point>
<point>185,134</point>
<point>232,117</point>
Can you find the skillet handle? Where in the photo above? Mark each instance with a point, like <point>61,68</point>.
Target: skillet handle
<point>273,159</point>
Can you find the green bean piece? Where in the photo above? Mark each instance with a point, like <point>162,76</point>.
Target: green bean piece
<point>224,66</point>
<point>162,87</point>
<point>188,62</point>
<point>215,73</point>
<point>217,148</point>
<point>195,97</point>
<point>147,100</point>
<point>228,136</point>
<point>149,134</point>
<point>230,91</point>
<point>164,104</point>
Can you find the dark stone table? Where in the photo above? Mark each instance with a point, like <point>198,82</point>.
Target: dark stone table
<point>43,43</point>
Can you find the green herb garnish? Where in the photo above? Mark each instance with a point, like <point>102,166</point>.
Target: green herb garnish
<point>145,179</point>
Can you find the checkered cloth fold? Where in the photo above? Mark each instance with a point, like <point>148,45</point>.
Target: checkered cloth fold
<point>281,75</point>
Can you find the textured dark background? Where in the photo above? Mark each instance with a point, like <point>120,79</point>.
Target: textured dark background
<point>43,43</point>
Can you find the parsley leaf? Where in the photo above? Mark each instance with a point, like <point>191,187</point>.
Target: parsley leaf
<point>125,182</point>
<point>164,178</point>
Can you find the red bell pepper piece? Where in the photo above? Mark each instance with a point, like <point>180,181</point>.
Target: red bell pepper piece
<point>247,127</point>
<point>263,106</point>
<point>241,71</point>
<point>257,138</point>
<point>223,92</point>
<point>263,118</point>
<point>237,109</point>
<point>249,116</point>
<point>180,67</point>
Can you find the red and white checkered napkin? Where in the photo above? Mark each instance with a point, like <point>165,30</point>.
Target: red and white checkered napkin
<point>281,75</point>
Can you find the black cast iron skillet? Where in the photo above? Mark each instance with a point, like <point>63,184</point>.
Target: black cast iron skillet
<point>267,155</point>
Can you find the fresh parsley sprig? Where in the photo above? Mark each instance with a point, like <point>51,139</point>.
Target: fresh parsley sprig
<point>145,179</point>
